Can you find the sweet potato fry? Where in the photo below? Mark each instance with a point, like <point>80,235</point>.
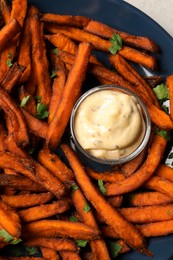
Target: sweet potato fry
<point>11,107</point>
<point>27,200</point>
<point>148,198</point>
<point>71,20</point>
<point>160,228</point>
<point>164,171</point>
<point>34,171</point>
<point>130,74</point>
<point>19,182</point>
<point>40,60</point>
<point>111,216</point>
<point>18,10</point>
<point>145,171</point>
<point>148,214</point>
<point>109,176</point>
<point>3,136</point>
<point>62,42</point>
<point>73,85</point>
<point>70,255</point>
<point>57,244</point>
<point>49,254</point>
<point>115,201</point>
<point>130,167</point>
<point>12,76</point>
<point>9,220</point>
<point>80,36</point>
<point>98,247</point>
<point>59,228</point>
<point>35,125</point>
<point>160,184</point>
<point>169,82</point>
<point>21,258</point>
<point>99,43</point>
<point>139,57</point>
<point>57,86</point>
<point>30,105</point>
<point>153,81</point>
<point>106,31</point>
<point>8,32</point>
<point>54,164</point>
<point>24,50</point>
<point>44,211</point>
<point>5,10</point>
<point>7,56</point>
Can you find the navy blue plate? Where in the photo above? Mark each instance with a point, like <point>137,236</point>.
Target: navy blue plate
<point>123,16</point>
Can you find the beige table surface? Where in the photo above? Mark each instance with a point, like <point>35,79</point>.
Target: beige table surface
<point>159,10</point>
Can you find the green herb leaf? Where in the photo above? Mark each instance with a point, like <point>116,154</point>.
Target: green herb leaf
<point>38,98</point>
<point>74,187</point>
<point>81,243</point>
<point>31,250</point>
<point>25,100</point>
<point>42,111</point>
<point>10,56</point>
<point>102,187</point>
<point>52,160</point>
<point>73,219</point>
<point>116,41</point>
<point>53,74</point>
<point>164,133</point>
<point>114,249</point>
<point>86,208</point>
<point>170,156</point>
<point>55,51</point>
<point>8,238</point>
<point>9,63</point>
<point>161,92</point>
<point>16,241</point>
<point>165,108</point>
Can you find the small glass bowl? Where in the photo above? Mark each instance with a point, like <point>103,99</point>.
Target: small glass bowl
<point>84,153</point>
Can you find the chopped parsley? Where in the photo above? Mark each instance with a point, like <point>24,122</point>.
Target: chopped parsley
<point>86,208</point>
<point>53,74</point>
<point>10,55</point>
<point>55,51</point>
<point>161,92</point>
<point>74,187</point>
<point>114,248</point>
<point>164,133</point>
<point>8,238</point>
<point>81,243</point>
<point>73,219</point>
<point>41,111</point>
<point>31,250</point>
<point>9,63</point>
<point>102,187</point>
<point>24,101</point>
<point>116,41</point>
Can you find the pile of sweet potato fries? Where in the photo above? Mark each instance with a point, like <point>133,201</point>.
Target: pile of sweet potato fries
<point>62,207</point>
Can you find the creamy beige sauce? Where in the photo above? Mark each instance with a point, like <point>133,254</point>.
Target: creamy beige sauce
<point>109,124</point>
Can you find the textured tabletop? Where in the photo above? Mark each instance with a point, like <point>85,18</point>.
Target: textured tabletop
<point>159,10</point>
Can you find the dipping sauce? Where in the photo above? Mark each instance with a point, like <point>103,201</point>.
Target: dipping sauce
<point>109,124</point>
